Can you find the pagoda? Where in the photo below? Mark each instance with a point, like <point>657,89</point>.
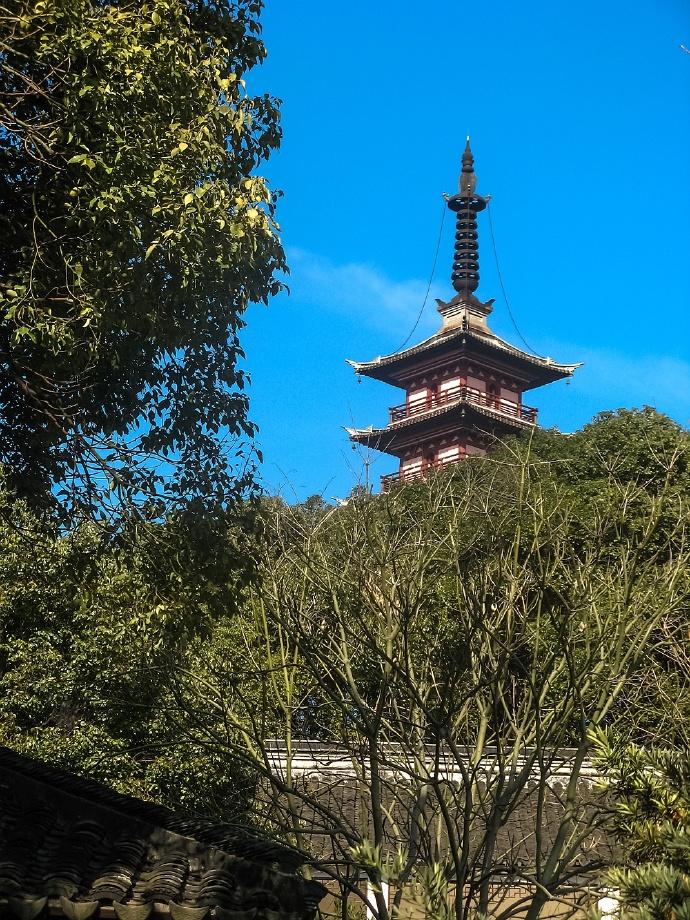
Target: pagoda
<point>463,385</point>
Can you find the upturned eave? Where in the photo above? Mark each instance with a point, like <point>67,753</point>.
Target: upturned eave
<point>395,368</point>
<point>463,414</point>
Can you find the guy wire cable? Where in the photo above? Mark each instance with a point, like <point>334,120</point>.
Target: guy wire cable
<point>503,288</point>
<point>431,281</point>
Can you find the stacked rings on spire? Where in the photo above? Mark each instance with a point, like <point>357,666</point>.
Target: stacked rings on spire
<point>465,275</point>
<point>466,204</point>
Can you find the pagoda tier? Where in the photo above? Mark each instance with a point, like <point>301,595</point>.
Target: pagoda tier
<point>458,407</point>
<point>464,384</point>
<point>403,368</point>
<point>445,427</point>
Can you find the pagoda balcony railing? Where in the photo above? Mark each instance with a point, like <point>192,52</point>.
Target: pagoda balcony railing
<point>507,407</point>
<point>418,472</point>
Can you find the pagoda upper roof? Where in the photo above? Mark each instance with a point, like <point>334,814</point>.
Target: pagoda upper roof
<point>397,367</point>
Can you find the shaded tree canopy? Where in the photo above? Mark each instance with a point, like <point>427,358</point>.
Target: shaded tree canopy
<point>450,642</point>
<point>134,231</point>
<point>79,615</point>
<point>89,628</point>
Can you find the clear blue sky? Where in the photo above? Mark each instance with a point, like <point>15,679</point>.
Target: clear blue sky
<point>580,127</point>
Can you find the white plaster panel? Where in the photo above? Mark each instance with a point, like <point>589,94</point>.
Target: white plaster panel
<point>417,396</point>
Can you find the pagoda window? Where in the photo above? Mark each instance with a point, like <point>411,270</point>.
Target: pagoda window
<point>418,400</point>
<point>411,466</point>
<point>493,395</point>
<point>448,454</point>
<point>418,395</point>
<point>451,383</point>
<point>429,458</point>
<point>476,383</point>
<point>510,401</point>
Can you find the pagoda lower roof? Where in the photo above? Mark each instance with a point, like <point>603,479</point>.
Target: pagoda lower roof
<point>397,367</point>
<point>463,414</point>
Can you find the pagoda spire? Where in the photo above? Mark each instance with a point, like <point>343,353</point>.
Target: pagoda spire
<point>466,204</point>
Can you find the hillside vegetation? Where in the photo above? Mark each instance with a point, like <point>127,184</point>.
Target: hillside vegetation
<point>515,604</point>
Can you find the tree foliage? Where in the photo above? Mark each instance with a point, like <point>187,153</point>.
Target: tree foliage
<point>454,642</point>
<point>134,231</point>
<point>88,628</point>
<point>621,461</point>
<point>623,468</point>
<point>474,625</point>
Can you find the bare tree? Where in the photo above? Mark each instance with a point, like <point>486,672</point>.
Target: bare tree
<point>432,661</point>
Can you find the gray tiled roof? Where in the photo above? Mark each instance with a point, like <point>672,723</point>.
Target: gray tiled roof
<point>440,339</point>
<point>71,845</point>
<point>373,435</point>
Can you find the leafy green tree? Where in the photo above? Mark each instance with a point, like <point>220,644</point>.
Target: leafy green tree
<point>652,817</point>
<point>88,630</point>
<point>620,461</point>
<point>134,231</point>
<point>642,446</point>
<point>620,469</point>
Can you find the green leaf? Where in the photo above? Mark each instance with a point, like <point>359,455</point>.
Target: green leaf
<point>130,82</point>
